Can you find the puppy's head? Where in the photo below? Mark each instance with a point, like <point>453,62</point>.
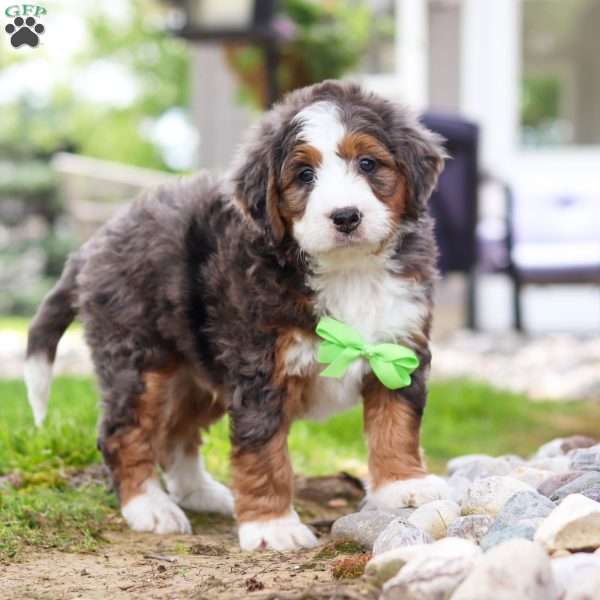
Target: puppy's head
<point>333,167</point>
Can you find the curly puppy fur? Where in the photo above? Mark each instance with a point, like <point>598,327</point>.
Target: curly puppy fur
<point>202,297</point>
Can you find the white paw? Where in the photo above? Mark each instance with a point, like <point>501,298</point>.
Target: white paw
<point>409,492</point>
<point>154,511</point>
<point>283,533</point>
<point>211,497</point>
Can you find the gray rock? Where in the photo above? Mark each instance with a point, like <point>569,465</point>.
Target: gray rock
<point>513,570</point>
<point>399,533</point>
<point>586,459</point>
<point>592,493</point>
<point>514,460</point>
<point>486,466</point>
<point>550,485</point>
<point>524,505</point>
<point>428,578</point>
<point>524,531</point>
<point>458,487</point>
<point>573,525</point>
<point>487,496</point>
<point>519,518</point>
<point>454,464</point>
<point>561,446</point>
<point>558,464</point>
<point>384,566</point>
<point>569,571</point>
<point>403,513</point>
<point>471,527</point>
<point>576,486</point>
<point>530,475</point>
<point>362,527</point>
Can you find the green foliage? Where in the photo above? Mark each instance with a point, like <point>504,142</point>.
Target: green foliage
<point>159,65</point>
<point>540,102</point>
<point>331,36</point>
<point>325,40</point>
<point>33,181</point>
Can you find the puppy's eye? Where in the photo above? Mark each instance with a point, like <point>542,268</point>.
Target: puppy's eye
<point>306,175</point>
<point>367,165</point>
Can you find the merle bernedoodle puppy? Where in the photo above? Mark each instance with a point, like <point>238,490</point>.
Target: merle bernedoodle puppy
<point>202,298</point>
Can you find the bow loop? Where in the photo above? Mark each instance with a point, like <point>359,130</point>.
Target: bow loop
<point>342,345</point>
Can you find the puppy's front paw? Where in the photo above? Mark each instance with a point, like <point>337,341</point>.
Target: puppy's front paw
<point>153,510</point>
<point>283,533</point>
<point>211,497</point>
<point>409,492</point>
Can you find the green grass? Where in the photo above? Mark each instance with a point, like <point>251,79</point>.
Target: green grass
<point>462,417</point>
<point>49,517</point>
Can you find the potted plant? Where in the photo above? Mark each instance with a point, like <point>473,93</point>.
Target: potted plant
<point>318,40</point>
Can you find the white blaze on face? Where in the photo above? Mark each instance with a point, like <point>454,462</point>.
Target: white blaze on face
<point>337,185</point>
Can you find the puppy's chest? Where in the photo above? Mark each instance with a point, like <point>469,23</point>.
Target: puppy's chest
<point>381,306</point>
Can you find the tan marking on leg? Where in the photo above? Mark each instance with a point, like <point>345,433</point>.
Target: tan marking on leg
<point>263,477</point>
<point>135,450</point>
<point>263,480</point>
<point>190,406</point>
<point>392,429</point>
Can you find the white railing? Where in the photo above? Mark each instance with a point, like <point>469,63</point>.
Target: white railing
<point>93,189</point>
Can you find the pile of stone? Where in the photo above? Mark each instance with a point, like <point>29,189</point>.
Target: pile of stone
<point>543,367</point>
<point>511,529</point>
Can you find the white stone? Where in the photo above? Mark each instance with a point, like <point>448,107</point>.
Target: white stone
<point>558,464</point>
<point>397,534</point>
<point>435,517</point>
<point>518,569</point>
<point>475,466</point>
<point>384,566</point>
<point>454,464</point>
<point>531,475</point>
<point>459,485</point>
<point>487,496</point>
<point>569,571</point>
<point>430,577</point>
<point>471,527</point>
<point>550,449</point>
<point>585,589</point>
<point>573,525</point>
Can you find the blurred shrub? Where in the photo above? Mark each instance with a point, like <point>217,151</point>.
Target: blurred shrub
<point>67,119</point>
<point>32,247</point>
<point>319,40</point>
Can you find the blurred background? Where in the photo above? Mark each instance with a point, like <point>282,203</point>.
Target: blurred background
<point>120,95</point>
<point>123,94</point>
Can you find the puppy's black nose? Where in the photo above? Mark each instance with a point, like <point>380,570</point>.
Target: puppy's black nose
<point>346,219</point>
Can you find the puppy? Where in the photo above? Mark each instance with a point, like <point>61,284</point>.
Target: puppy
<point>202,298</point>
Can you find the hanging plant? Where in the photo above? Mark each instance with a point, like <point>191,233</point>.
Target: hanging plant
<point>318,40</point>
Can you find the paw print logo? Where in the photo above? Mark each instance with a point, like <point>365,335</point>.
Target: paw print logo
<point>24,31</point>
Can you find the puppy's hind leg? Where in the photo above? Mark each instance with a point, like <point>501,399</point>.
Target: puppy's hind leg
<point>128,441</point>
<point>189,408</point>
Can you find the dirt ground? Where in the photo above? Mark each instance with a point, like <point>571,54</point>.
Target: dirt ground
<point>205,566</point>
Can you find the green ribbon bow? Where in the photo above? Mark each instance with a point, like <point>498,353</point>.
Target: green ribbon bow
<point>391,363</point>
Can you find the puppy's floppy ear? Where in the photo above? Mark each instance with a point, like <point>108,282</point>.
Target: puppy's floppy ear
<point>256,184</point>
<point>421,155</point>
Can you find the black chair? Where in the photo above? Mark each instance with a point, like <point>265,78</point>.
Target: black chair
<point>546,238</point>
<point>454,203</point>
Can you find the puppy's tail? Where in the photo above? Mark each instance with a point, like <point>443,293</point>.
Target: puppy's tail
<point>54,315</point>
